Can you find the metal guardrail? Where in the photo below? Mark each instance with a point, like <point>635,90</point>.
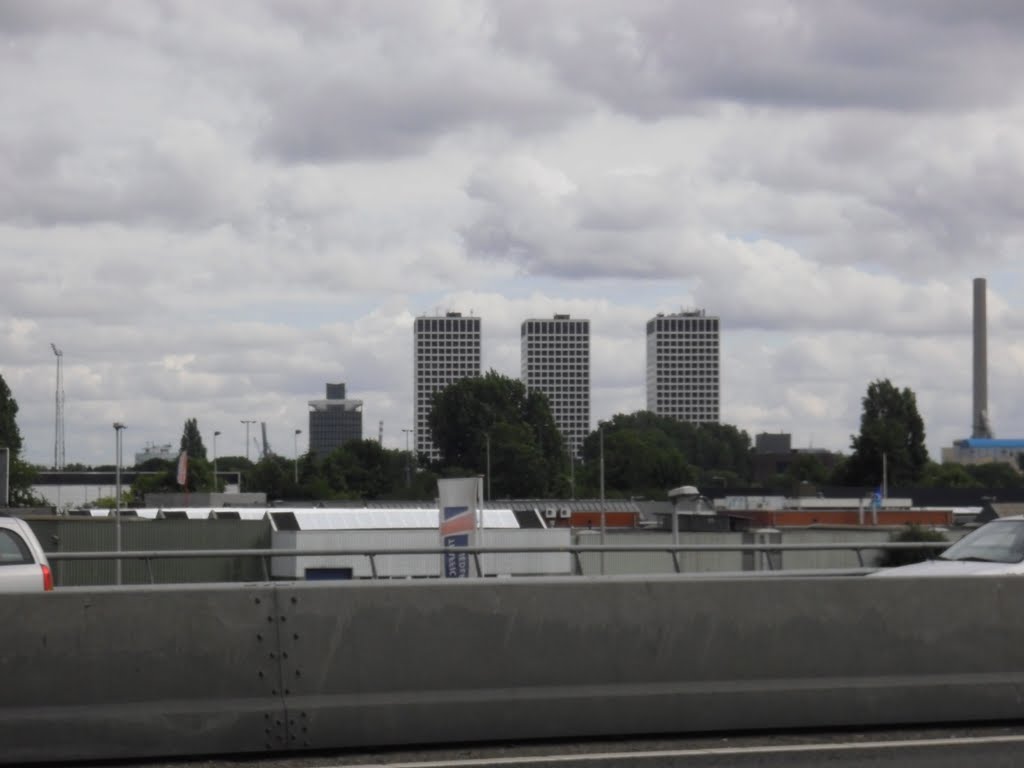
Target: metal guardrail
<point>674,550</point>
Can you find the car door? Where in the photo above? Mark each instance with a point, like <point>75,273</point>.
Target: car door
<point>19,570</point>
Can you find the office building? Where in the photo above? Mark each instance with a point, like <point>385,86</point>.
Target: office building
<point>555,360</point>
<point>334,421</point>
<point>445,350</point>
<point>683,379</point>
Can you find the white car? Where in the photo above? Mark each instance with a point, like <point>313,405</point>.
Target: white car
<point>23,564</point>
<point>994,549</point>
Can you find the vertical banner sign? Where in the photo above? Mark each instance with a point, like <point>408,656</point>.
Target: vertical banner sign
<point>457,502</point>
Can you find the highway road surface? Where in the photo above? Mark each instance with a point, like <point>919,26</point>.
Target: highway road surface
<point>992,746</point>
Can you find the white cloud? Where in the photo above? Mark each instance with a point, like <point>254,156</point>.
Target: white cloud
<point>215,210</point>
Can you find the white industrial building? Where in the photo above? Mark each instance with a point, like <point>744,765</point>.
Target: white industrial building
<point>383,530</point>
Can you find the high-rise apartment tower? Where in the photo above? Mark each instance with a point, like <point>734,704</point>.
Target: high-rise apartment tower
<point>445,350</point>
<point>683,367</point>
<point>556,361</point>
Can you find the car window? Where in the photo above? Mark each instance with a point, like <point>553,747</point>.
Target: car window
<point>13,549</point>
<point>1000,542</point>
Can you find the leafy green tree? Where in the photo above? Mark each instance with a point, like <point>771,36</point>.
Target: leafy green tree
<point>10,435</point>
<point>527,454</point>
<point>947,476</point>
<point>192,441</point>
<point>164,479</point>
<point>996,474</point>
<point>648,455</point>
<point>638,461</point>
<point>22,475</point>
<point>806,468</point>
<point>890,426</point>
<point>273,475</point>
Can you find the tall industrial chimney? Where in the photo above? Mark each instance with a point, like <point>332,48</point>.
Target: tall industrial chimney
<point>981,426</point>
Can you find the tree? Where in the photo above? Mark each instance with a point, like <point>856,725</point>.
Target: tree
<point>947,476</point>
<point>527,455</point>
<point>806,468</point>
<point>199,475</point>
<point>996,474</point>
<point>22,475</point>
<point>192,441</point>
<point>10,435</point>
<point>648,455</point>
<point>890,427</point>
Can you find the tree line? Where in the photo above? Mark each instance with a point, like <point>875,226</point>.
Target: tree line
<point>495,427</point>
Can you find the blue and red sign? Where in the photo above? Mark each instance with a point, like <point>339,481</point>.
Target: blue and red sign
<point>456,526</point>
<point>458,499</point>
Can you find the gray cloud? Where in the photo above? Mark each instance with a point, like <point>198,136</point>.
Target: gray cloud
<point>653,60</point>
<point>217,208</point>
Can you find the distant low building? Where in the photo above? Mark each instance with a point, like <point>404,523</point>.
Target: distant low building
<point>985,450</point>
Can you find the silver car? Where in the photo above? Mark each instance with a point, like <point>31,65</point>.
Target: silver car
<point>994,549</point>
<point>23,564</point>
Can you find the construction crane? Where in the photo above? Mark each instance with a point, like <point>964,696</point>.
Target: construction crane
<point>58,431</point>
<point>266,445</point>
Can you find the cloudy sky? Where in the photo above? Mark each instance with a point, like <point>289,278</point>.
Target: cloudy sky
<point>214,208</point>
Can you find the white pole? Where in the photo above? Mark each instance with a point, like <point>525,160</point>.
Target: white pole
<point>118,426</point>
<point>216,487</point>
<point>604,526</point>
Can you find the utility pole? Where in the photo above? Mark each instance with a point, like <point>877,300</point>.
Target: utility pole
<point>118,429</point>
<point>487,437</point>
<point>247,422</point>
<point>216,487</point>
<point>297,433</point>
<point>58,433</point>
<point>604,526</point>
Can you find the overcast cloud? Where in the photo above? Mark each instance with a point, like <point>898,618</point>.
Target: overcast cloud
<point>215,208</point>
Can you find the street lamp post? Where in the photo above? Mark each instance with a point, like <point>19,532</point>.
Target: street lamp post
<point>247,422</point>
<point>604,521</point>
<point>487,438</point>
<point>216,487</point>
<point>118,428</point>
<point>572,473</point>
<point>297,433</point>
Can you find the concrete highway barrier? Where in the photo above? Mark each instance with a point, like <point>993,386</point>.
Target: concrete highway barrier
<point>135,672</point>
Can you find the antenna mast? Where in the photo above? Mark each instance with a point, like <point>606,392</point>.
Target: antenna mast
<point>58,436</point>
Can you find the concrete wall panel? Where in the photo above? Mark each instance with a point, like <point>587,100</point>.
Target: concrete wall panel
<point>99,674</point>
<point>103,674</point>
<point>404,663</point>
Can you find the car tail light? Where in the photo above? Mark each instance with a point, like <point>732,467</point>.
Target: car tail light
<point>47,579</point>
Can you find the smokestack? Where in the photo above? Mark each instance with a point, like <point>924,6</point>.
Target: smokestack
<point>981,426</point>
